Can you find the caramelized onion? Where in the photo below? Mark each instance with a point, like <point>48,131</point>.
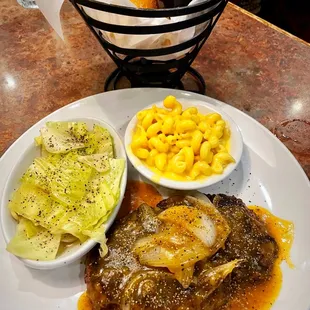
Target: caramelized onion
<point>184,275</point>
<point>193,220</point>
<point>200,196</point>
<point>211,278</point>
<point>187,234</point>
<point>172,258</point>
<point>142,285</point>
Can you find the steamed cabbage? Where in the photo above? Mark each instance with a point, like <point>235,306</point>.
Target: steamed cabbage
<point>69,193</point>
<point>39,244</point>
<point>113,178</point>
<point>100,142</point>
<point>100,162</point>
<point>69,179</point>
<point>56,141</point>
<point>39,173</point>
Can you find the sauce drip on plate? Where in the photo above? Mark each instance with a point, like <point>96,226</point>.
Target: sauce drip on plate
<point>281,230</point>
<point>260,296</point>
<point>137,193</point>
<point>84,302</point>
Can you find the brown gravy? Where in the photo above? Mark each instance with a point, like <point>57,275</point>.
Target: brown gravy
<point>257,297</point>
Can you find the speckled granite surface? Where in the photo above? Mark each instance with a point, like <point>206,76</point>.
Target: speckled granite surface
<point>245,63</point>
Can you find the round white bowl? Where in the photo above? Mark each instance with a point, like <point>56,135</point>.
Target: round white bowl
<point>236,148</point>
<point>8,224</point>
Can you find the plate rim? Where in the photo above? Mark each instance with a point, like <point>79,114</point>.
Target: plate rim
<point>187,93</point>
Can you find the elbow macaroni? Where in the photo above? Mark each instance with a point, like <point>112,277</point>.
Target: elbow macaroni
<point>181,144</point>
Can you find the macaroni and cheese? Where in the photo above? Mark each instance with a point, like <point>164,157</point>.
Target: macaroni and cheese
<point>181,144</point>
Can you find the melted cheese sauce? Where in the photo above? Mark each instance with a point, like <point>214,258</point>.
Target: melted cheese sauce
<point>262,296</point>
<point>258,297</point>
<point>172,176</point>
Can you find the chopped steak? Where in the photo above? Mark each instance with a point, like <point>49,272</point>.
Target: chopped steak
<point>119,281</point>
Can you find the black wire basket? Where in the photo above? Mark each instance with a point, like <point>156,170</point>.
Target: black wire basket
<point>138,65</point>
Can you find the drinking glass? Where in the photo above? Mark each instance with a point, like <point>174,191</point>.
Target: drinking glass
<point>28,4</point>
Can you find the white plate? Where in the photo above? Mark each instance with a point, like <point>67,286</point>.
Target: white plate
<point>268,175</point>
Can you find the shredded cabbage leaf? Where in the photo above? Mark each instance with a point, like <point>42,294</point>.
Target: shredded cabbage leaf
<point>114,175</point>
<point>100,162</point>
<point>34,204</point>
<point>100,142</point>
<point>98,235</point>
<point>62,137</point>
<point>69,179</point>
<point>76,129</point>
<point>34,242</point>
<point>39,173</point>
<point>68,194</point>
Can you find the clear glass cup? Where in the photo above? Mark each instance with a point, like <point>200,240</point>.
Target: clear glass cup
<point>28,4</point>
